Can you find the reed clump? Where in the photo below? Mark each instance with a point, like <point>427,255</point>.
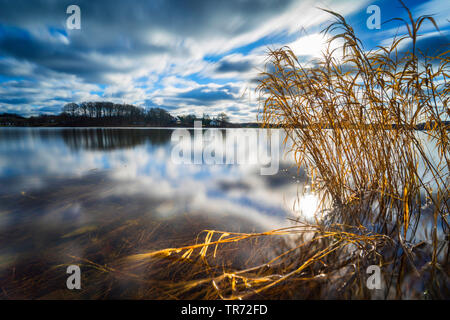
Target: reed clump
<point>353,117</point>
<point>371,102</point>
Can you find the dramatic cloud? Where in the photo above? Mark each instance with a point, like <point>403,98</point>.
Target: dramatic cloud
<point>186,56</point>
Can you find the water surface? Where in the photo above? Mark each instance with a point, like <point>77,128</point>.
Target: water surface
<point>62,187</point>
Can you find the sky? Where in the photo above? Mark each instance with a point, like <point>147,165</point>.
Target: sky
<point>186,56</point>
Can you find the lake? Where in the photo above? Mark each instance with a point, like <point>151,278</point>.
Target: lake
<point>63,189</point>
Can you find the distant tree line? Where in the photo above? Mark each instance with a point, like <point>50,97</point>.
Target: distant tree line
<point>108,113</point>
<point>103,113</point>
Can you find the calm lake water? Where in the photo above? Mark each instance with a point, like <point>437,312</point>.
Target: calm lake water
<point>130,166</point>
<point>62,187</point>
